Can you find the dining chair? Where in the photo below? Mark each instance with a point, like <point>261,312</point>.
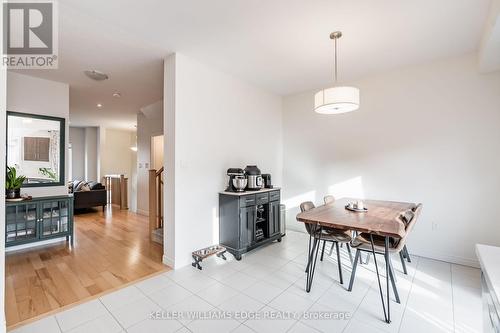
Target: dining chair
<point>362,243</point>
<point>405,254</point>
<point>329,199</point>
<point>332,235</point>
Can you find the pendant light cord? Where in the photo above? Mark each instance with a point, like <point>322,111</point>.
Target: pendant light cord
<point>335,61</point>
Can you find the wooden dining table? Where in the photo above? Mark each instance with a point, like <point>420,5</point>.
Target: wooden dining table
<point>380,218</point>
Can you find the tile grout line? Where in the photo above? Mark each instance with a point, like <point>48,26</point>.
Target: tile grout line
<point>165,310</point>
<point>267,304</point>
<point>409,293</point>
<point>58,325</point>
<point>316,302</point>
<point>359,304</point>
<point>112,315</point>
<point>281,293</point>
<point>85,322</point>
<point>452,298</point>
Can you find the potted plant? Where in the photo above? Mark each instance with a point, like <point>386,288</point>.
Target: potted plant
<point>13,183</point>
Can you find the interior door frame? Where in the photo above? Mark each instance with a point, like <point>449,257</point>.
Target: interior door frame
<point>152,150</point>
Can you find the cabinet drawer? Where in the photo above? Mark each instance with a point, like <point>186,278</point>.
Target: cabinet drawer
<point>262,198</point>
<point>247,200</point>
<point>274,196</point>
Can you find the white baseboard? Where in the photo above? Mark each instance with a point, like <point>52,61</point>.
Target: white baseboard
<point>447,258</point>
<point>142,212</point>
<point>168,261</point>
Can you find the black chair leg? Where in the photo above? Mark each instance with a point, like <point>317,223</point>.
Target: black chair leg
<point>367,261</point>
<point>349,251</point>
<point>312,263</point>
<point>322,251</point>
<point>339,262</point>
<point>392,269</point>
<point>407,254</point>
<point>353,273</point>
<point>392,276</point>
<point>403,262</point>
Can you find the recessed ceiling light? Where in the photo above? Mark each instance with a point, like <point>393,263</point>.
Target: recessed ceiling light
<point>99,105</point>
<point>96,75</point>
<point>117,94</point>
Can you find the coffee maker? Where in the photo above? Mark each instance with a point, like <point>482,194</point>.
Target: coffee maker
<point>267,180</point>
<point>236,180</point>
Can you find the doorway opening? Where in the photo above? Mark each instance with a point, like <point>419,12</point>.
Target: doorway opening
<point>156,182</point>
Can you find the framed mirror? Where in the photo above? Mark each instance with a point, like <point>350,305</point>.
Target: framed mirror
<point>35,147</point>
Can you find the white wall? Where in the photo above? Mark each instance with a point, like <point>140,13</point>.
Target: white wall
<point>213,121</point>
<point>3,115</point>
<point>116,157</point>
<point>149,123</point>
<point>37,96</point>
<point>426,133</point>
<point>77,140</point>
<point>91,154</point>
<point>84,146</point>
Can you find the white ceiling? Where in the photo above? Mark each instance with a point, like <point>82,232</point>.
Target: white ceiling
<point>280,45</point>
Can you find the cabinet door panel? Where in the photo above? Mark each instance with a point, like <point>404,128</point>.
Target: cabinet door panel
<point>21,224</point>
<point>274,218</point>
<point>251,224</point>
<point>55,218</point>
<point>247,225</point>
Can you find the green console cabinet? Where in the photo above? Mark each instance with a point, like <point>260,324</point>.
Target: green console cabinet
<point>38,219</point>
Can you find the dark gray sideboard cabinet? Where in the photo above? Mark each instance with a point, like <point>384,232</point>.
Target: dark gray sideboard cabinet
<point>248,220</point>
<point>38,219</point>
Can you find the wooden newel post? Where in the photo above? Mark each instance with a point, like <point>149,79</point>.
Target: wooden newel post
<point>152,202</point>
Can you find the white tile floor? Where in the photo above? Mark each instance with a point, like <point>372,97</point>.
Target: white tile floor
<point>435,297</point>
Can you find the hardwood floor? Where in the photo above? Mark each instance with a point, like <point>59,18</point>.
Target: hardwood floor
<point>111,249</point>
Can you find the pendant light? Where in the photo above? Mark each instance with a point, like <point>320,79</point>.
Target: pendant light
<point>337,99</point>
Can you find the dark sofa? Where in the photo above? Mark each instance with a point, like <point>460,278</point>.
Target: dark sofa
<point>96,196</point>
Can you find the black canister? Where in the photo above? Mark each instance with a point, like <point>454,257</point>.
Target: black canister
<point>252,170</point>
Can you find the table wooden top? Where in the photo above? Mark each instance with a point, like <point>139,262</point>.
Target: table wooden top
<point>380,219</point>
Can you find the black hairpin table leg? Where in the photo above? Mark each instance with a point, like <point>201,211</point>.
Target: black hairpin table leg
<point>311,264</point>
<point>387,273</point>
<point>387,313</point>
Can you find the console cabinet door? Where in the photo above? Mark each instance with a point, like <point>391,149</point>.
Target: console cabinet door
<point>274,218</point>
<point>55,218</point>
<point>21,223</point>
<point>248,216</point>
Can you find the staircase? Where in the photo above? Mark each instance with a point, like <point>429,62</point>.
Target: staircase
<point>156,205</point>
